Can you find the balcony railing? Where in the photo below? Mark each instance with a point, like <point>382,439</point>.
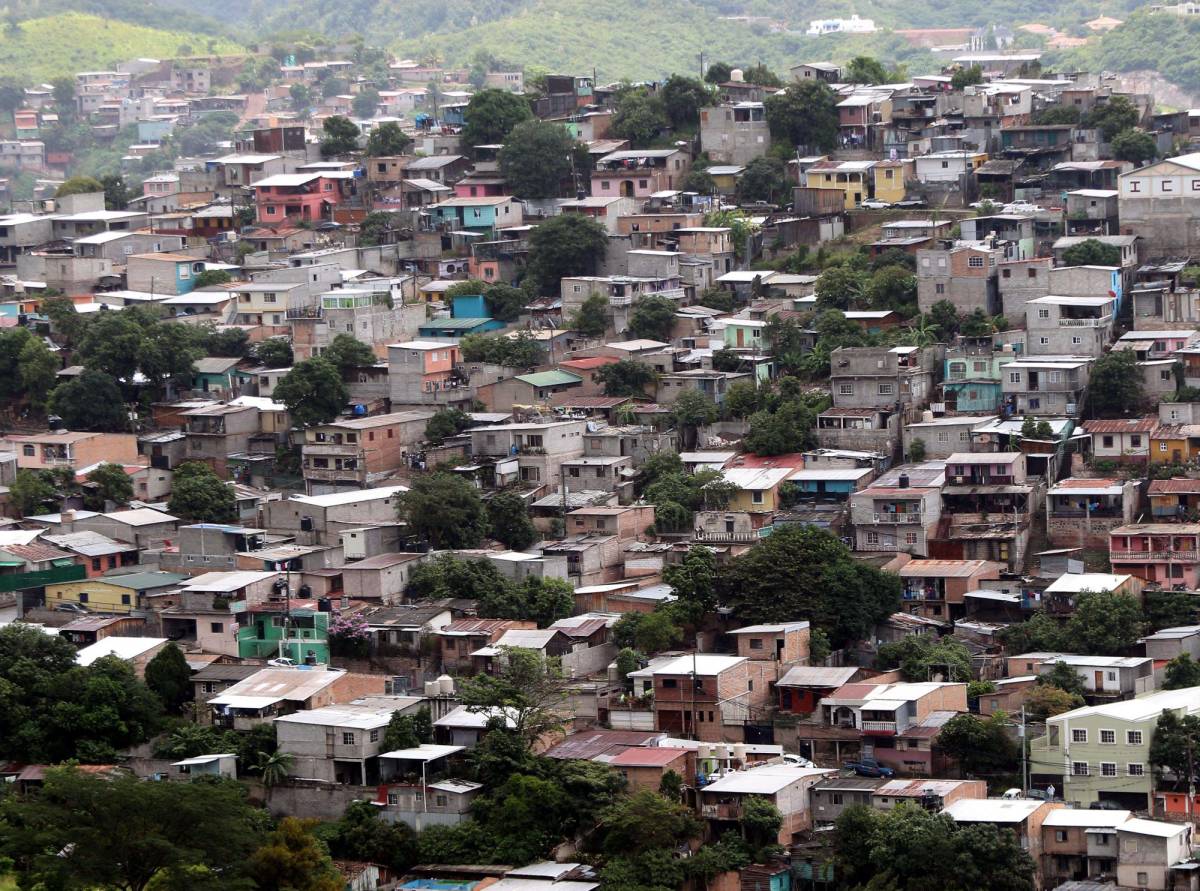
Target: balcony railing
<point>1154,556</point>
<point>620,300</point>
<point>305,312</point>
<point>913,517</point>
<point>1085,323</point>
<point>721,811</point>
<point>878,726</point>
<point>705,535</point>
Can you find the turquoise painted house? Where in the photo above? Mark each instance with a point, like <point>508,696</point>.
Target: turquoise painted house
<point>482,213</point>
<point>219,375</point>
<point>261,630</point>
<point>973,381</point>
<point>470,306</point>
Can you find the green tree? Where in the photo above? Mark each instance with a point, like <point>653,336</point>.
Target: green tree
<point>313,392</point>
<point>32,492</point>
<point>566,245</point>
<point>839,287</point>
<point>1113,116</point>
<point>921,658</point>
<point>652,318</point>
<point>1182,672</point>
<point>804,114</point>
<point>375,229</point>
<point>1134,145</point>
<point>112,484</point>
<point>682,99</point>
<point>506,302</point>
<point>1046,701</point>
<point>211,277</point>
<point>536,159</point>
<point>628,377</point>
<point>445,510</point>
<point>365,104</point>
<point>639,117</point>
<point>1057,114</point>
<point>198,495</point>
<point>694,584</point>
<point>645,821</point>
<point>301,97</point>
<point>718,73</point>
<point>647,632</point>
<point>1103,624</point>
<point>401,733</point>
<point>340,136</point>
<point>37,369</point>
<point>387,140</point>
<point>64,836</point>
<point>894,288</point>
<point>232,343</point>
<point>363,835</point>
<point>788,429</point>
<point>1064,677</point>
<point>450,576</point>
<point>1169,609</point>
<point>741,399</point>
<point>1173,744</point>
<point>275,352</point>
<point>508,521</point>
<point>761,75</point>
<point>1092,252</point>
<point>491,115</point>
<point>168,675</point>
<point>272,767</point>
<point>116,192</point>
<point>1116,387</point>
<point>970,76</point>
<point>761,822</point>
<point>865,70</point>
<point>592,317</point>
<point>91,401</point>
<point>690,411</point>
<point>529,691</point>
<point>944,317</point>
<point>447,422</point>
<point>345,351</point>
<point>292,859</point>
<point>979,745</point>
<point>79,185</point>
<point>765,179</point>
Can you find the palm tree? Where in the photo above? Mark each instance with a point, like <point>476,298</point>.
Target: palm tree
<point>923,332</point>
<point>273,766</point>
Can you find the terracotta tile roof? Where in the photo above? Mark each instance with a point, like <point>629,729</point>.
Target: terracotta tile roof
<point>38,552</point>
<point>589,362</point>
<point>1076,483</point>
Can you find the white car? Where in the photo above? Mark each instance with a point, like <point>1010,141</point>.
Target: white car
<point>874,204</point>
<point>1022,207</point>
<point>796,760</point>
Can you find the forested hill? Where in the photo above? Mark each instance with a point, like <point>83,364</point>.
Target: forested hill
<point>619,38</point>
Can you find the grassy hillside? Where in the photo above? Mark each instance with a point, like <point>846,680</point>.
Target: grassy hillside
<point>1162,43</point>
<point>641,40</point>
<point>63,44</point>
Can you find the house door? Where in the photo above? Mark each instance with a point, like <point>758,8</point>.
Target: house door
<point>627,188</point>
<point>1099,681</point>
<point>741,337</point>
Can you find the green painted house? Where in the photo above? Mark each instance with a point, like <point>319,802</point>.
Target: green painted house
<point>1102,752</point>
<point>265,633</point>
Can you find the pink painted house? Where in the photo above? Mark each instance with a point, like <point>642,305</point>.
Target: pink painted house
<point>306,197</point>
<point>1166,553</point>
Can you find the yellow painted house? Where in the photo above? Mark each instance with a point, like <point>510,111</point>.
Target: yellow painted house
<point>1175,443</point>
<point>758,487</point>
<point>862,180</point>
<point>113,594</point>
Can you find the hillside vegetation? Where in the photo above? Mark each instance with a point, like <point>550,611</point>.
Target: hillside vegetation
<point>621,39</point>
<point>1162,43</point>
<point>69,42</point>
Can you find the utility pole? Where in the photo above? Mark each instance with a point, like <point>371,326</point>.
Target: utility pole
<point>1024,758</point>
<point>701,65</point>
<point>1191,785</point>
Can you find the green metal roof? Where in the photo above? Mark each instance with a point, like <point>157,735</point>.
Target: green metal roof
<point>448,324</point>
<point>554,378</point>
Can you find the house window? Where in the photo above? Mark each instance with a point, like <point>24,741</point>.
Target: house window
<point>1014,377</point>
<point>375,736</point>
<point>1162,446</point>
<point>873,538</point>
<point>940,288</point>
<point>845,389</point>
<point>217,627</point>
<point>1044,340</point>
<point>1108,769</point>
<point>1167,185</point>
<point>1043,313</point>
<point>1108,441</point>
<point>756,497</point>
<point>975,262</point>
<point>910,538</point>
<point>1006,273</point>
<point>1079,768</point>
<point>670,683</point>
<point>83,597</point>
<point>886,389</point>
<point>1076,340</point>
<point>441,800</point>
<point>1135,442</point>
<point>347,739</point>
<point>1078,735</point>
<point>208,687</point>
<point>1032,273</point>
<point>1133,737</point>
<point>1060,835</point>
<point>28,451</point>
<point>1143,878</point>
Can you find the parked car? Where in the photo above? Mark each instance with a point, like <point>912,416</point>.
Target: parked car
<point>1037,794</point>
<point>869,767</point>
<point>1022,207</point>
<point>76,608</point>
<point>912,202</point>
<point>282,662</point>
<point>796,760</point>
<point>874,204</point>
